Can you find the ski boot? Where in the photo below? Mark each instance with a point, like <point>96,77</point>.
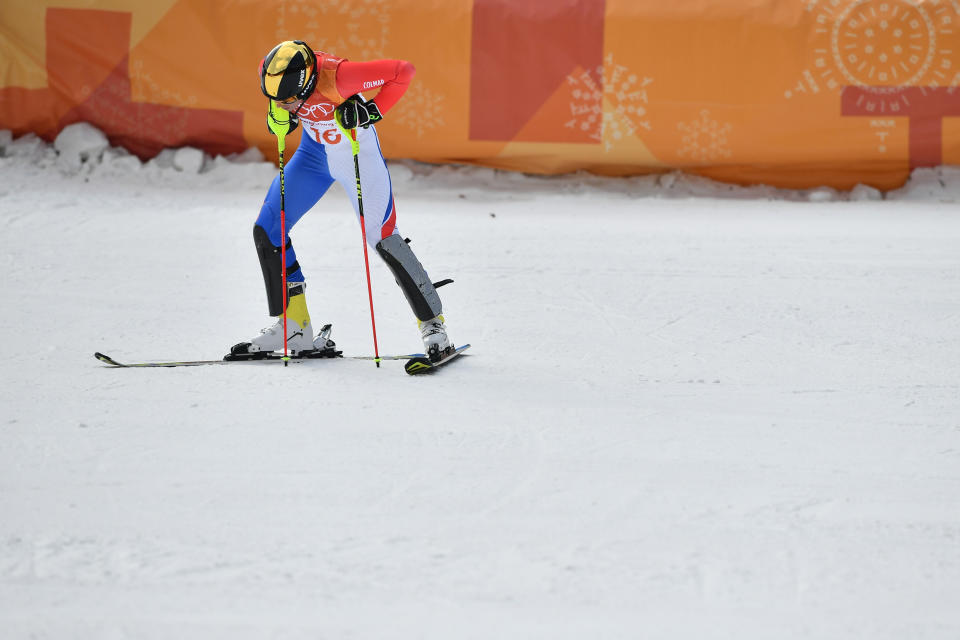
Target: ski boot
<point>300,340</point>
<point>436,342</point>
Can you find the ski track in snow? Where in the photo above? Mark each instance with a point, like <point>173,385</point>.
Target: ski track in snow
<point>690,411</point>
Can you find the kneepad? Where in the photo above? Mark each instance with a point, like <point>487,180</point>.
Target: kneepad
<point>410,275</point>
<point>272,266</point>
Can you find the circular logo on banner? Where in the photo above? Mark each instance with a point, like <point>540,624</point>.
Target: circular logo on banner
<point>882,44</point>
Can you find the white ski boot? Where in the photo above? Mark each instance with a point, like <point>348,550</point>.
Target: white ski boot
<point>299,330</point>
<point>436,342</point>
<point>299,337</point>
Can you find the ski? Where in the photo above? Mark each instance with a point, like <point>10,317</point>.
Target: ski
<point>177,363</point>
<point>113,362</point>
<point>416,362</point>
<point>238,356</point>
<point>420,363</point>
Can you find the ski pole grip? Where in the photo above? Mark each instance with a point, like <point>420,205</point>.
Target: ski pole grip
<point>350,134</point>
<point>278,120</point>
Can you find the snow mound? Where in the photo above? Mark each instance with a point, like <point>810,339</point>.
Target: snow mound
<point>28,149</point>
<point>80,143</point>
<point>863,193</point>
<point>188,160</point>
<point>83,149</point>
<point>941,184</point>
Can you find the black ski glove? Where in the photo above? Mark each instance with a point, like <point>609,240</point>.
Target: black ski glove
<point>356,112</point>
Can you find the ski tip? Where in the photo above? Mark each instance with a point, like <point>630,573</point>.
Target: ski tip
<point>417,366</point>
<point>422,364</point>
<point>106,359</point>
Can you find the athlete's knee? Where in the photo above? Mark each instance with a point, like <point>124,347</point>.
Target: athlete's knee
<point>271,255</point>
<point>269,222</point>
<point>387,227</point>
<point>373,239</point>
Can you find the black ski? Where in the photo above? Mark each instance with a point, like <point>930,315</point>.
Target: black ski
<point>420,363</point>
<point>416,362</point>
<point>272,357</point>
<point>177,363</point>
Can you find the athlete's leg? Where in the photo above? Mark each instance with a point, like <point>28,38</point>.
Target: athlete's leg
<point>306,179</point>
<point>380,222</point>
<point>378,203</point>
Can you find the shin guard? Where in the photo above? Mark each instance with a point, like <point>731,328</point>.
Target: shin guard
<point>272,267</point>
<point>410,275</point>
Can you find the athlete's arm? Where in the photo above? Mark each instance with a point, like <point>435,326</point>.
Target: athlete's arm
<point>392,77</point>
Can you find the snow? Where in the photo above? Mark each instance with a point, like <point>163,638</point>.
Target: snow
<point>691,410</point>
<point>79,143</point>
<point>188,159</point>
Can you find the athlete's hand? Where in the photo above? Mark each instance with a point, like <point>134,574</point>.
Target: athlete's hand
<point>355,112</point>
<point>279,121</point>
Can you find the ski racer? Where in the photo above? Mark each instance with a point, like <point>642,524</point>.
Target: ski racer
<point>312,87</point>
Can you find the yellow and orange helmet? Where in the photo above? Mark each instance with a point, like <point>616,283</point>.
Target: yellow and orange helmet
<point>289,72</point>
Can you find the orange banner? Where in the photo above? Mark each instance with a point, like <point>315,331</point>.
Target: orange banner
<point>789,93</point>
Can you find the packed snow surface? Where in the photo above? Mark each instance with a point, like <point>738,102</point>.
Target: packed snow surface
<point>690,411</point>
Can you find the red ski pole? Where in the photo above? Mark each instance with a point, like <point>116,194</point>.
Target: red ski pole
<point>363,232</point>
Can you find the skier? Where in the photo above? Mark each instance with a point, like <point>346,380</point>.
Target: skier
<point>312,87</point>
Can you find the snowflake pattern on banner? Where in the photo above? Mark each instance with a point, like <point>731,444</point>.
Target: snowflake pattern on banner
<point>420,110</point>
<point>625,91</point>
<point>365,36</point>
<point>705,139</point>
